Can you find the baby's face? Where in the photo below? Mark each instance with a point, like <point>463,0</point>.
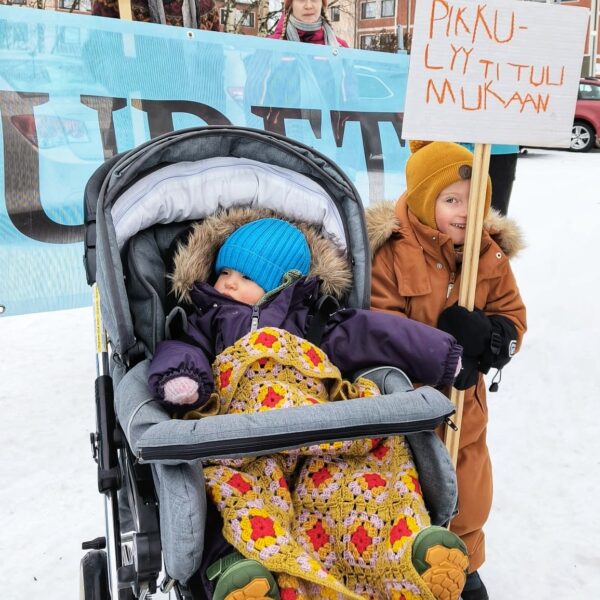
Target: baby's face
<point>234,284</point>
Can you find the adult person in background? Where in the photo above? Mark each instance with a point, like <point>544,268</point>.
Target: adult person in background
<point>306,21</point>
<point>193,14</point>
<point>503,167</point>
<point>293,80</point>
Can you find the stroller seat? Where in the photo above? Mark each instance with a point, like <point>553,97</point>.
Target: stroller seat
<point>130,238</point>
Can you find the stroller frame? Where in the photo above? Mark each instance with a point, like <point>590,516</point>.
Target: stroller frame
<point>135,556</point>
<point>133,561</point>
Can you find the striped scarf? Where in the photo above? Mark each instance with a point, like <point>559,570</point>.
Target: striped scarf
<point>294,26</point>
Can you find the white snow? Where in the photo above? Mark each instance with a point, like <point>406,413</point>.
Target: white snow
<point>544,435</point>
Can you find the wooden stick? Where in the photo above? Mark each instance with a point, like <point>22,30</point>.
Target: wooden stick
<point>468,278</point>
<point>125,10</point>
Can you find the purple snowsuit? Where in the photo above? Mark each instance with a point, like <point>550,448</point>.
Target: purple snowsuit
<point>353,339</point>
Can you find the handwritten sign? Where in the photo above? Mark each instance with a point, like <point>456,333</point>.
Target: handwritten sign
<point>501,72</point>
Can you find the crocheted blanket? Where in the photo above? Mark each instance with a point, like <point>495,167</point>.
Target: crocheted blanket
<point>330,520</point>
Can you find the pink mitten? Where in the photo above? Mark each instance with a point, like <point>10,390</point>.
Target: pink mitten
<point>181,390</point>
<point>458,367</point>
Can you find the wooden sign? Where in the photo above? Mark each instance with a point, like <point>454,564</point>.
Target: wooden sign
<point>502,72</point>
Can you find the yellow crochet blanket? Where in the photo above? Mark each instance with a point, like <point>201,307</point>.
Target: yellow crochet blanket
<point>332,521</point>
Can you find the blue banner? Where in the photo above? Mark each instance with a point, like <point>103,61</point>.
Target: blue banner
<point>75,90</point>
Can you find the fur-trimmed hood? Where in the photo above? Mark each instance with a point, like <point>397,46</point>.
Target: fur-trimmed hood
<point>195,257</point>
<point>383,222</point>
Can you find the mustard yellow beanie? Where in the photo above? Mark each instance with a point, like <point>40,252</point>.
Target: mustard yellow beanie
<point>431,167</point>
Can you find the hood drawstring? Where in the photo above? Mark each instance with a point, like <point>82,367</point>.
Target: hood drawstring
<point>496,384</point>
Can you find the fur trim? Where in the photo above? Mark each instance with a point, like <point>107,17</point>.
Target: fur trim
<point>506,233</point>
<point>382,223</point>
<point>195,258</point>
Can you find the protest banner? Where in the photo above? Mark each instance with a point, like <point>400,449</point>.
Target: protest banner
<point>76,90</point>
<point>494,72</point>
<point>500,72</point>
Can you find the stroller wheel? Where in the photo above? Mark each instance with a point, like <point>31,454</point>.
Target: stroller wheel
<point>93,576</point>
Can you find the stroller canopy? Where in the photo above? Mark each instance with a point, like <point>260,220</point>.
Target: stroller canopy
<point>190,174</point>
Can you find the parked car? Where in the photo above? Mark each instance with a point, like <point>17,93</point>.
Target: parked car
<point>586,127</point>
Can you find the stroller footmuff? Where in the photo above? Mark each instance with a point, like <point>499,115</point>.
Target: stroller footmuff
<point>139,207</point>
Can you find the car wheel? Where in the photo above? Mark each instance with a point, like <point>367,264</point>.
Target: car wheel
<point>582,137</point>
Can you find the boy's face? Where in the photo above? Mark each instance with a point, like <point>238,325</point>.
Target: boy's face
<point>451,208</point>
<point>237,286</point>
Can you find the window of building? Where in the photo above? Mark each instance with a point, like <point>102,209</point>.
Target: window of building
<point>248,20</point>
<point>19,2</point>
<point>75,5</point>
<point>367,41</point>
<point>388,8</point>
<point>368,10</point>
<point>382,42</point>
<point>334,13</point>
<point>388,42</point>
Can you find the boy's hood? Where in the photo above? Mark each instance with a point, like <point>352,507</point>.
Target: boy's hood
<point>195,257</point>
<point>383,222</point>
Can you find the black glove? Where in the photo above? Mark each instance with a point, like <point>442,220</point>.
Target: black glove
<point>489,341</point>
<point>503,344</point>
<point>472,329</point>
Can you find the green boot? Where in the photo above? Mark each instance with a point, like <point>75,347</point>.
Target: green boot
<point>240,578</point>
<point>441,559</point>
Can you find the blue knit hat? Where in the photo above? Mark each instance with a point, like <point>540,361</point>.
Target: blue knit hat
<point>265,250</point>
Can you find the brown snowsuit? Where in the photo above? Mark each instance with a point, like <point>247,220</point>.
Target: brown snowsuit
<point>416,272</point>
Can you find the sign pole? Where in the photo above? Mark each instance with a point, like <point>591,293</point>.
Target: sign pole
<point>125,10</point>
<point>468,280</point>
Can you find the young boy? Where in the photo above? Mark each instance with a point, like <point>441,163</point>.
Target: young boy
<point>417,246</point>
<point>343,520</point>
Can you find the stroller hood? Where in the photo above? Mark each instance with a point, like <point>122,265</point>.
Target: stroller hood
<point>319,182</point>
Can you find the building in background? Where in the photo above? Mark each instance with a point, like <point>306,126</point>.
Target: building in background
<point>239,17</point>
<point>383,25</point>
<point>591,62</point>
<point>342,14</point>
<point>74,6</point>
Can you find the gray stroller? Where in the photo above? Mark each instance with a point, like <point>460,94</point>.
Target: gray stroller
<point>138,205</point>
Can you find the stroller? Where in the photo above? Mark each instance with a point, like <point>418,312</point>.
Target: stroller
<point>138,205</point>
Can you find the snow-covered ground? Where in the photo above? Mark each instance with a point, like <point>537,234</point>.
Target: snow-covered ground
<point>543,536</point>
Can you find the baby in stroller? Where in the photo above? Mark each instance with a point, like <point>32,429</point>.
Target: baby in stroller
<point>339,520</point>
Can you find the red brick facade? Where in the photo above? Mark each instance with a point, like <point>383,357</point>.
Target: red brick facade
<point>372,20</point>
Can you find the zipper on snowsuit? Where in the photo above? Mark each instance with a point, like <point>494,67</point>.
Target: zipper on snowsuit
<point>451,284</point>
<point>289,278</point>
<point>254,320</point>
